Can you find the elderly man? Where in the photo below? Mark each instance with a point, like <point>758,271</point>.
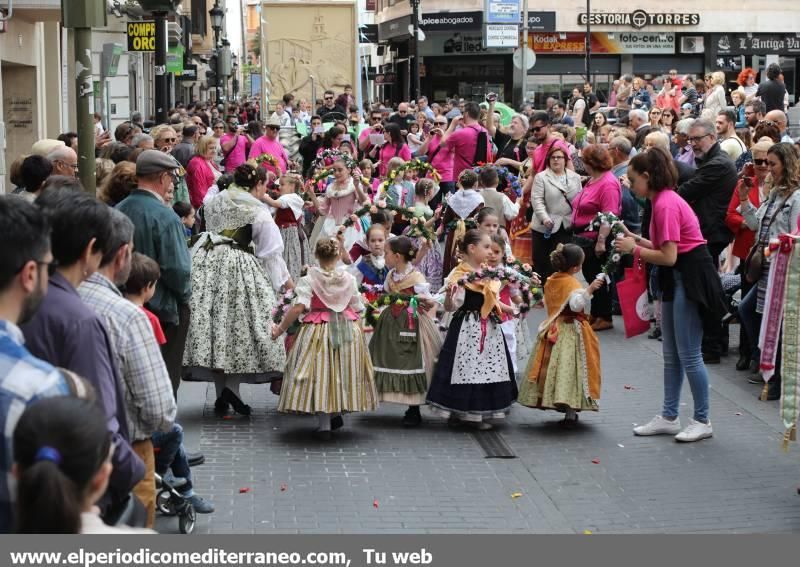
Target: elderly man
<point>65,161</point>
<point>685,151</point>
<point>143,141</point>
<point>780,120</point>
<point>709,192</point>
<point>184,150</point>
<point>148,391</point>
<point>620,150</point>
<point>159,234</point>
<point>641,125</point>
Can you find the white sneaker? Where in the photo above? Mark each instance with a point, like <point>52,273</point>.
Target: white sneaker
<point>695,431</point>
<point>659,426</point>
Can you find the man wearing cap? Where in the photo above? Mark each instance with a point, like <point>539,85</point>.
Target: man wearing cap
<point>45,146</point>
<point>269,144</point>
<point>159,234</point>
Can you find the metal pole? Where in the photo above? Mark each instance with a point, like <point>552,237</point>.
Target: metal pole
<point>264,70</point>
<point>524,52</point>
<point>160,19</point>
<point>588,41</point>
<point>83,92</point>
<point>415,41</point>
<point>217,85</point>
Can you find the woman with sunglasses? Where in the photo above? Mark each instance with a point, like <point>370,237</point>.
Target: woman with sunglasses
<point>655,118</point>
<point>777,214</point>
<point>441,158</point>
<point>62,463</point>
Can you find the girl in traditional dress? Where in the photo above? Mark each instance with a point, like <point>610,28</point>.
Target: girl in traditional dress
<point>289,218</point>
<point>474,376</point>
<point>461,205</point>
<point>342,197</point>
<point>371,268</point>
<point>237,267</point>
<point>488,220</point>
<point>328,371</point>
<point>429,257</point>
<point>564,374</point>
<point>406,342</point>
<point>510,295</point>
<point>367,169</point>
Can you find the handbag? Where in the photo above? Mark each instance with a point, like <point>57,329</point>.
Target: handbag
<point>754,263</point>
<point>632,293</point>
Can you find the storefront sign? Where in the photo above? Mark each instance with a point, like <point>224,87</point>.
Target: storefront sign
<point>502,35</point>
<point>142,36</point>
<point>502,11</point>
<point>756,44</point>
<point>627,42</point>
<point>639,19</point>
<point>446,21</point>
<point>394,28</point>
<point>449,44</point>
<point>541,21</point>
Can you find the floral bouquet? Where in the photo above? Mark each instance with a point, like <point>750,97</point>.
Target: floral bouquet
<point>609,220</point>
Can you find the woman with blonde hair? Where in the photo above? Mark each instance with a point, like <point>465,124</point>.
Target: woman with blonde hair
<point>714,100</point>
<point>202,171</point>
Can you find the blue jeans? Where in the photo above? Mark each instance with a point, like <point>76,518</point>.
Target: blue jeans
<point>682,330</point>
<point>171,454</point>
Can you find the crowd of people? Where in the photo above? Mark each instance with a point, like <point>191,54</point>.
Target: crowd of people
<point>391,261</point>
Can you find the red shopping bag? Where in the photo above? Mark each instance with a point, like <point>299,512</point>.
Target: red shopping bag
<point>632,293</point>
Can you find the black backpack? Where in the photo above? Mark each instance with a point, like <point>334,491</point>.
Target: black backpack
<point>482,149</point>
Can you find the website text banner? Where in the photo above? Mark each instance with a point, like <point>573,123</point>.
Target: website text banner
<point>394,551</point>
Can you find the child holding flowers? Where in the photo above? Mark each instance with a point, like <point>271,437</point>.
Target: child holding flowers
<point>405,342</point>
<point>474,376</point>
<point>429,258</point>
<point>510,295</point>
<point>289,218</point>
<point>564,374</point>
<point>328,371</point>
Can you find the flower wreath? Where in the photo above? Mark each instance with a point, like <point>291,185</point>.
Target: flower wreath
<point>322,164</point>
<point>469,224</point>
<point>285,303</point>
<point>612,220</point>
<point>268,159</point>
<point>530,294</point>
<point>371,310</point>
<point>416,224</point>
<point>531,290</point>
<point>421,167</point>
<point>508,181</point>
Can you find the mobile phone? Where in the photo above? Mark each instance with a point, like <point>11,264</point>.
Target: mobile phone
<point>749,170</point>
<point>490,97</point>
<point>426,128</point>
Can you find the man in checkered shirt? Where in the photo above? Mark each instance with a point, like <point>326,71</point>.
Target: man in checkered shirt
<point>24,379</point>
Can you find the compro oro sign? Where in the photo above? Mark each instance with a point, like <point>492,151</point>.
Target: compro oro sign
<point>638,19</point>
<point>141,36</point>
<point>500,35</point>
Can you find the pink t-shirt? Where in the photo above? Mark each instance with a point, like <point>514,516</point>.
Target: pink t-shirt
<point>674,220</point>
<point>463,142</point>
<point>442,159</point>
<point>602,195</point>
<point>389,151</point>
<point>238,155</point>
<point>266,146</point>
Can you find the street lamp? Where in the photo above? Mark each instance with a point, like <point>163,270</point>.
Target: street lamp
<point>224,62</point>
<point>415,89</point>
<point>217,14</point>
<point>235,85</point>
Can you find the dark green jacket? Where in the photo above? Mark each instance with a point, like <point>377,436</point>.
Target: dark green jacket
<point>159,234</point>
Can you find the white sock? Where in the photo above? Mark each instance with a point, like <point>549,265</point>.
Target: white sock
<point>324,421</point>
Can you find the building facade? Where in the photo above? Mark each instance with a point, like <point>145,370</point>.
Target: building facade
<point>639,37</point>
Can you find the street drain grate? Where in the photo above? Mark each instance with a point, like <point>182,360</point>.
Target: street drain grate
<point>493,445</point>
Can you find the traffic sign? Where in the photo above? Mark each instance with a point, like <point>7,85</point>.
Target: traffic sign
<point>518,58</point>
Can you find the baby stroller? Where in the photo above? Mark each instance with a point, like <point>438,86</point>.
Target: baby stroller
<point>170,502</point>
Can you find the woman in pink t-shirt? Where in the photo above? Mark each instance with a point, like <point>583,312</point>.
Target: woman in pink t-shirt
<point>691,288</point>
<point>601,194</point>
<point>394,146</point>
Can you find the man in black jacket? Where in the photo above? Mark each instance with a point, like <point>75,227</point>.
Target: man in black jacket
<point>310,145</point>
<point>709,192</point>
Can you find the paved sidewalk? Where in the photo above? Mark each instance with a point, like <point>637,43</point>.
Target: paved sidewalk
<point>378,477</point>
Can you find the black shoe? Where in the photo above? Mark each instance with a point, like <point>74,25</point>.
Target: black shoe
<point>654,334</point>
<point>221,407</point>
<point>238,405</point>
<point>337,422</point>
<point>413,417</point>
<point>195,459</point>
<point>743,363</point>
<point>756,379</point>
<point>711,359</point>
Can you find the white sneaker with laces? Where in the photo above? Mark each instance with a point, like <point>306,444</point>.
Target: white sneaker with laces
<point>658,426</point>
<point>695,431</point>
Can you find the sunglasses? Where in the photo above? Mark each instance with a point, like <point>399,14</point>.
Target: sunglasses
<point>441,123</point>
<point>537,128</point>
<point>169,140</point>
<point>328,98</point>
<point>655,114</point>
<point>760,161</point>
<point>273,128</point>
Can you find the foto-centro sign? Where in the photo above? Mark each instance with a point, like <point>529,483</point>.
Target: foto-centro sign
<point>638,19</point>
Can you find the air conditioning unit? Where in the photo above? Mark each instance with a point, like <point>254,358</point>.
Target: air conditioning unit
<point>692,44</point>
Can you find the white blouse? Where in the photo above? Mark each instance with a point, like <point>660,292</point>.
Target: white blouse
<point>269,248</point>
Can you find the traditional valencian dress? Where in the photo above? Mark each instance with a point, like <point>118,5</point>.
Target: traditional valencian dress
<point>237,267</point>
<point>405,342</point>
<point>289,218</point>
<point>336,205</point>
<point>328,369</point>
<point>461,205</point>
<point>474,376</point>
<point>565,371</point>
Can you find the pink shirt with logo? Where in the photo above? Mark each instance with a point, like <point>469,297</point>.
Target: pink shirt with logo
<point>674,220</point>
<point>238,154</point>
<point>266,146</point>
<point>463,142</point>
